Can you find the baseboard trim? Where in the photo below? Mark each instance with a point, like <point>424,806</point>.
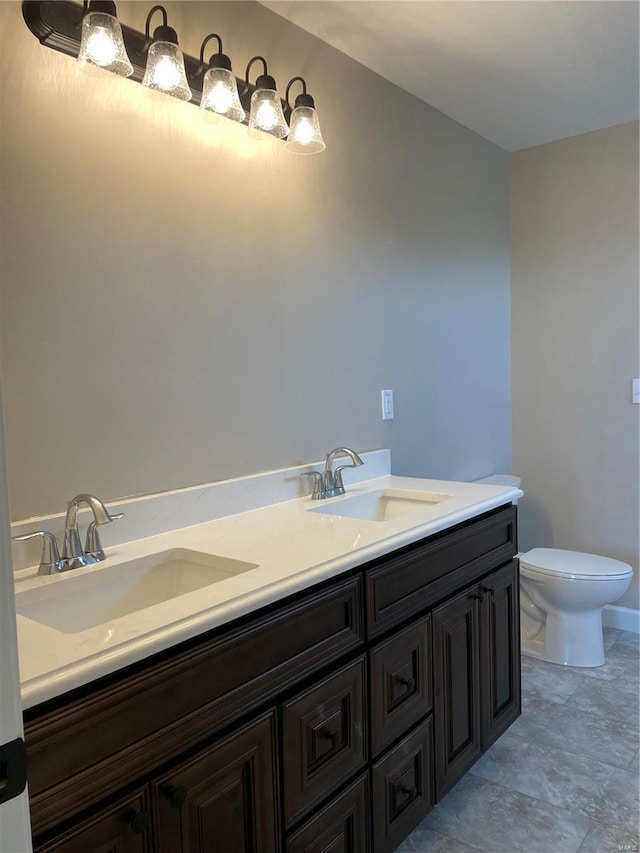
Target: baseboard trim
<point>625,618</point>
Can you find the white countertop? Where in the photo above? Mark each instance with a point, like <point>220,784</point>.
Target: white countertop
<point>292,547</point>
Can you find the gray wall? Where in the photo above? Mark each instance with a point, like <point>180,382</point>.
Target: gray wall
<point>182,303</point>
<point>574,267</point>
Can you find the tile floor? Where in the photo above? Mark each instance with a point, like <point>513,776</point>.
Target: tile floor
<point>563,778</point>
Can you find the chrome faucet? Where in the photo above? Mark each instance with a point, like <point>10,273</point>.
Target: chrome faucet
<point>73,554</point>
<point>50,561</point>
<point>329,484</point>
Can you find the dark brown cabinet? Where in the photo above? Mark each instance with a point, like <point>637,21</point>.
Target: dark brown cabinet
<point>400,683</point>
<point>224,799</point>
<point>500,642</point>
<point>124,827</point>
<point>324,738</point>
<point>328,722</point>
<point>402,788</point>
<point>340,827</point>
<point>476,672</point>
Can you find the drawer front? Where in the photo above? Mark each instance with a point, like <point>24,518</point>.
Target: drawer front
<point>402,788</point>
<point>400,683</point>
<point>341,827</point>
<point>324,738</point>
<point>424,574</point>
<point>223,799</point>
<point>124,827</point>
<point>81,751</point>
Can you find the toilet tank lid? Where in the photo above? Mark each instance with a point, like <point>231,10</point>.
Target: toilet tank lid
<point>576,563</point>
<point>501,480</point>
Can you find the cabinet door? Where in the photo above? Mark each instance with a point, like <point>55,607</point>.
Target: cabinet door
<point>124,827</point>
<point>402,788</point>
<point>341,827</point>
<point>324,738</point>
<point>500,644</point>
<point>456,681</point>
<point>400,683</point>
<point>224,799</point>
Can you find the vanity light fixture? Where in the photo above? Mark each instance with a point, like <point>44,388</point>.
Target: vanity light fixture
<point>267,115</point>
<point>219,86</point>
<point>101,43</point>
<point>305,136</point>
<point>165,70</point>
<point>91,33</point>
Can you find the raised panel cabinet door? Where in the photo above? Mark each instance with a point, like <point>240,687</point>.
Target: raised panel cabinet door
<point>124,827</point>
<point>500,646</point>
<point>324,738</point>
<point>400,683</point>
<point>224,800</point>
<point>402,784</point>
<point>456,682</point>
<point>341,827</point>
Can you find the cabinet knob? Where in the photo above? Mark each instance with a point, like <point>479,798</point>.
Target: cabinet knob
<point>408,792</point>
<point>177,795</point>
<point>477,596</point>
<point>409,683</point>
<point>327,734</point>
<point>489,590</point>
<point>138,822</point>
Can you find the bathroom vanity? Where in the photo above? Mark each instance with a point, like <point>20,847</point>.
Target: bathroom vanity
<point>330,719</point>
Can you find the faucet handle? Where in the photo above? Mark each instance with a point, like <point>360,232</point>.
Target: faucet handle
<point>317,484</point>
<point>93,546</point>
<point>50,557</point>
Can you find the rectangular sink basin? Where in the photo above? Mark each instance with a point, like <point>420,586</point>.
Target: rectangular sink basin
<point>89,599</point>
<point>382,505</point>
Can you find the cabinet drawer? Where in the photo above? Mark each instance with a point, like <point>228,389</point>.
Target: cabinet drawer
<point>421,575</point>
<point>124,827</point>
<point>341,827</point>
<point>402,788</point>
<point>223,799</point>
<point>324,738</point>
<point>80,751</point>
<point>400,683</point>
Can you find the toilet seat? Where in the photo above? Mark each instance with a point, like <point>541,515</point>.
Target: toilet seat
<point>574,565</point>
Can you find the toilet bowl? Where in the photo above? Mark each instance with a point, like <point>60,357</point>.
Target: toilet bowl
<point>562,594</point>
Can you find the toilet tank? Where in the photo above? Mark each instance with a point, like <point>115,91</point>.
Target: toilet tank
<point>501,480</point>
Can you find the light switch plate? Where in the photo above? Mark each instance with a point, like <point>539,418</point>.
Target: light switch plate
<point>635,391</point>
<point>387,405</point>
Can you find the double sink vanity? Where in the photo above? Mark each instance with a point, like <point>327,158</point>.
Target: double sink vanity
<point>293,675</point>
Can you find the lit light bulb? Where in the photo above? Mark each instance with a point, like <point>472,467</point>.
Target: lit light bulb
<point>166,74</point>
<point>101,43</point>
<point>304,132</point>
<point>101,47</point>
<point>220,99</point>
<point>266,117</point>
<point>305,136</point>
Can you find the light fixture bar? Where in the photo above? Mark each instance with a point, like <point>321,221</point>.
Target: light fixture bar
<point>59,26</point>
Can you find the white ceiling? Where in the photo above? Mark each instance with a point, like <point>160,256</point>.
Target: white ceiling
<point>518,72</point>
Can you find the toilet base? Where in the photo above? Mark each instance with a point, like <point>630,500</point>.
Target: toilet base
<point>532,648</point>
<point>571,639</point>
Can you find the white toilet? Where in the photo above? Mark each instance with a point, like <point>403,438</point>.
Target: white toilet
<point>562,594</point>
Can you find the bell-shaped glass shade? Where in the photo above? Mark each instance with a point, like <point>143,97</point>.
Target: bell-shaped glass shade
<point>266,114</point>
<point>305,136</point>
<point>220,94</point>
<point>165,71</point>
<point>102,45</point>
